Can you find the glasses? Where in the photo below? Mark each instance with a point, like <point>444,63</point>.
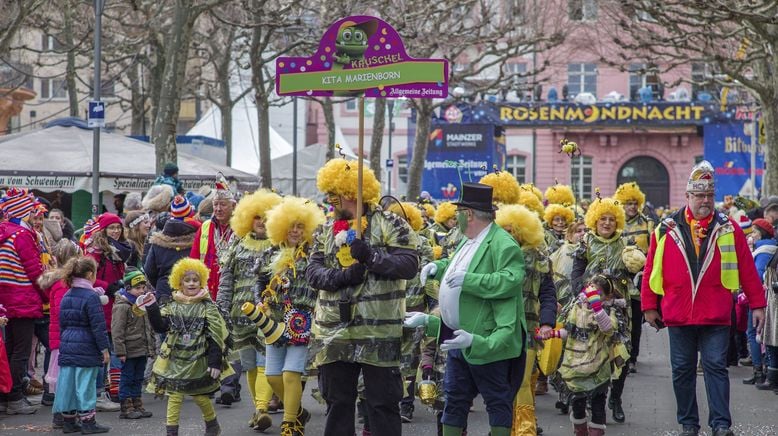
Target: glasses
<point>704,196</point>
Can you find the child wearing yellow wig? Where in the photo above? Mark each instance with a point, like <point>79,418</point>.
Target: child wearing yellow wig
<point>193,355</point>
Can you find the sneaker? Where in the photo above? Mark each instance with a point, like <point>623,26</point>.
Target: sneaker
<point>34,400</point>
<point>689,430</point>
<point>20,407</point>
<point>632,367</point>
<point>723,432</point>
<point>746,361</point>
<point>227,398</point>
<point>275,405</point>
<point>104,404</point>
<point>406,412</point>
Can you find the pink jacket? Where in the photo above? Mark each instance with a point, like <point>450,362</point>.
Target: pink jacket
<point>20,267</point>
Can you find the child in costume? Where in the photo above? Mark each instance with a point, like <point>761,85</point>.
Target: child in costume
<point>237,279</point>
<point>133,342</point>
<point>83,350</point>
<point>586,366</point>
<point>193,355</point>
<point>288,300</point>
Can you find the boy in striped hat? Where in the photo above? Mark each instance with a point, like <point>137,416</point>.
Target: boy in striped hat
<point>180,208</point>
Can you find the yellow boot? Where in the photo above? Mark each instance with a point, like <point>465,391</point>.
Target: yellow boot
<point>523,420</point>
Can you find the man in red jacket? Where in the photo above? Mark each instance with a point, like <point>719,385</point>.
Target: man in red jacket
<point>20,267</point>
<point>214,235</point>
<point>695,300</point>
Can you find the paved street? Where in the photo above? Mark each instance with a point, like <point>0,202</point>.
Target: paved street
<point>648,401</point>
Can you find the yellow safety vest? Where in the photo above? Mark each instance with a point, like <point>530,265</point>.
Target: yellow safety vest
<point>730,278</point>
<point>205,229</point>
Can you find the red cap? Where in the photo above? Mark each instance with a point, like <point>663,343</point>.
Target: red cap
<point>764,225</point>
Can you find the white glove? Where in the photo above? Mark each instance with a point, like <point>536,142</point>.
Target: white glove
<point>461,340</point>
<point>428,270</point>
<point>415,319</point>
<point>455,279</point>
<point>214,372</point>
<point>145,300</point>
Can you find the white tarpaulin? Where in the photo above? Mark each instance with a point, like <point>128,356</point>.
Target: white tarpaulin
<point>60,158</point>
<point>309,160</point>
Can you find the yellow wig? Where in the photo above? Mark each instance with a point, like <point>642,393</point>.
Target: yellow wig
<point>534,189</point>
<point>184,266</point>
<point>288,212</point>
<point>630,191</point>
<point>529,200</point>
<point>445,212</point>
<point>253,205</point>
<point>505,188</point>
<point>339,177</point>
<point>554,210</point>
<point>523,224</point>
<point>600,207</point>
<point>560,194</point>
<point>412,213</point>
<point>430,209</point>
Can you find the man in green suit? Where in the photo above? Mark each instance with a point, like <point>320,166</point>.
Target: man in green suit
<point>483,327</point>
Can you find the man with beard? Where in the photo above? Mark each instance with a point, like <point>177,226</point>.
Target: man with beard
<point>361,300</point>
<point>695,302</point>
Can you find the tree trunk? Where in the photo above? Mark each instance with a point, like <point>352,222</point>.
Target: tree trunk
<point>137,103</point>
<point>329,120</point>
<point>770,118</point>
<point>225,104</point>
<point>70,68</point>
<point>263,115</point>
<point>156,71</point>
<point>416,170</point>
<point>176,55</point>
<point>379,121</point>
<point>226,115</point>
<point>261,98</point>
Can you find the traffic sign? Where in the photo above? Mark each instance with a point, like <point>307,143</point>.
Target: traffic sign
<point>390,163</point>
<point>96,116</point>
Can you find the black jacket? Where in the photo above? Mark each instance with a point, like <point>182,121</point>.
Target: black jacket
<point>165,249</point>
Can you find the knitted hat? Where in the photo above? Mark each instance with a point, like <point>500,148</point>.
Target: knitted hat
<point>701,178</point>
<point>180,208</point>
<point>158,198</point>
<point>560,194</point>
<point>170,169</point>
<point>290,211</point>
<point>134,278</point>
<point>250,206</point>
<point>505,188</point>
<point>17,203</point>
<point>339,177</point>
<point>106,219</point>
<point>743,221</point>
<point>765,226</point>
<point>630,192</point>
<point>40,210</point>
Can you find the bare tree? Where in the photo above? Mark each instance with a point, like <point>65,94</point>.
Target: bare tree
<point>13,14</point>
<point>736,39</point>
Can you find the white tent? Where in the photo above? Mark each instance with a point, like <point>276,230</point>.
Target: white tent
<point>309,160</point>
<point>245,135</point>
<point>60,158</point>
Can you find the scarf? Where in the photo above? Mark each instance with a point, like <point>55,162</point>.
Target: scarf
<point>131,298</point>
<point>79,282</point>
<point>181,298</point>
<point>699,229</point>
<point>122,249</point>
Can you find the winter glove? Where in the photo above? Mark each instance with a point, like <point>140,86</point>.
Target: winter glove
<point>354,275</point>
<point>113,288</point>
<point>145,300</point>
<point>361,251</point>
<point>593,298</point>
<point>415,319</point>
<point>214,373</point>
<point>603,320</point>
<point>455,279</point>
<point>461,340</point>
<point>428,270</point>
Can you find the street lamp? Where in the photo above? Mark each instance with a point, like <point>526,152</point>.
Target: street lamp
<point>390,106</point>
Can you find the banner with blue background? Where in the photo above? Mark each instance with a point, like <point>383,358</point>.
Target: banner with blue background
<point>728,148</point>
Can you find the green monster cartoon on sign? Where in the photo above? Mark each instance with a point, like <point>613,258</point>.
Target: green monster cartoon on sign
<point>350,45</point>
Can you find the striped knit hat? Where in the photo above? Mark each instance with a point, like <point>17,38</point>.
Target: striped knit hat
<point>17,203</point>
<point>180,208</point>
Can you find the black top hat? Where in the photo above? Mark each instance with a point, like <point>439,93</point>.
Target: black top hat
<point>476,196</point>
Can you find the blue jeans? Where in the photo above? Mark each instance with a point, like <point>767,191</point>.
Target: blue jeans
<point>712,343</point>
<point>497,382</point>
<point>281,359</point>
<point>131,383</point>
<point>753,346</point>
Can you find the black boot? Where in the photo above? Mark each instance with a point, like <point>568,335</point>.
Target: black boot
<point>90,426</point>
<point>70,424</point>
<point>172,430</point>
<point>212,428</point>
<point>771,381</point>
<point>618,411</point>
<point>757,378</point>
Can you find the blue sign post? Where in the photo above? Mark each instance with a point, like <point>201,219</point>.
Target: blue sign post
<point>728,149</point>
<point>96,116</point>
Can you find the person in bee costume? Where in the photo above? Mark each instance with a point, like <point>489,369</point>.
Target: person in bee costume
<point>636,236</point>
<point>361,301</point>
<point>558,214</point>
<point>287,298</point>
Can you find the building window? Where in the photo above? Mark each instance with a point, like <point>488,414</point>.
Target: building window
<point>581,169</point>
<point>351,105</point>
<point>402,168</point>
<point>50,43</point>
<point>53,89</point>
<point>640,76</point>
<point>107,87</point>
<point>581,78</point>
<point>582,10</point>
<point>517,165</point>
<point>702,81</point>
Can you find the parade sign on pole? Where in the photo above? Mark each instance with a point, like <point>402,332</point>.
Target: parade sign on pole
<point>361,56</point>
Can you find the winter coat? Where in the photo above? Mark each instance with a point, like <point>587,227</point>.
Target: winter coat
<point>214,251</point>
<point>109,270</point>
<point>56,289</point>
<point>131,331</point>
<point>20,267</point>
<point>763,252</point>
<point>166,248</point>
<point>82,329</point>
<point>704,300</point>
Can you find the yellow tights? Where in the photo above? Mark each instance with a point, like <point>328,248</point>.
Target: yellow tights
<point>174,407</point>
<point>260,389</point>
<point>289,388</point>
